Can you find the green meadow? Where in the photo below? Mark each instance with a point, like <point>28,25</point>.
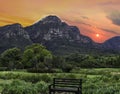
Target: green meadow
<point>95,81</point>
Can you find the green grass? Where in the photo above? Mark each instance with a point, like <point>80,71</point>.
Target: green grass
<point>4,82</point>
<point>95,80</point>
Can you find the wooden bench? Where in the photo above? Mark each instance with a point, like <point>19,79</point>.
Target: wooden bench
<point>66,85</point>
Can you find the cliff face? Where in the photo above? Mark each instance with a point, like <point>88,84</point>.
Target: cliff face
<point>51,28</point>
<point>13,36</point>
<point>57,35</point>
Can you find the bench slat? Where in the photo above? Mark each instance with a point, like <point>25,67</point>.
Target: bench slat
<point>67,86</point>
<point>65,89</point>
<point>67,83</point>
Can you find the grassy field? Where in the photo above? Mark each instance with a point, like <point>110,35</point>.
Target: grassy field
<point>95,81</point>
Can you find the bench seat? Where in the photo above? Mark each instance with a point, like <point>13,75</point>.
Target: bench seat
<point>64,89</point>
<point>66,85</point>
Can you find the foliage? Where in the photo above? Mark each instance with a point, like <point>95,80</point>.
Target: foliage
<point>91,61</point>
<point>34,55</point>
<point>67,68</point>
<point>36,58</point>
<point>3,68</point>
<point>58,62</point>
<point>29,77</point>
<point>95,81</point>
<point>42,87</point>
<point>19,87</point>
<point>22,87</point>
<point>11,58</point>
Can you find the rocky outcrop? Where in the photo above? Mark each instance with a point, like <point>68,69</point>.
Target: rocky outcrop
<point>13,36</point>
<point>57,35</point>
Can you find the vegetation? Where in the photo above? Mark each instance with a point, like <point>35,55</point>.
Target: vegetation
<point>95,81</point>
<point>36,58</point>
<point>32,70</point>
<point>11,58</point>
<point>22,87</point>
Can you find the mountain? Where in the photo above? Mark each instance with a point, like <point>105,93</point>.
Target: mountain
<point>13,36</point>
<point>112,45</point>
<point>59,37</point>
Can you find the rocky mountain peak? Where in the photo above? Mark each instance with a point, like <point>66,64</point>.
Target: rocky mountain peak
<point>13,30</point>
<point>55,34</point>
<point>51,18</point>
<point>16,25</point>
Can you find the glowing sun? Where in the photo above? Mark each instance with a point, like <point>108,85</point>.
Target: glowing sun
<point>97,35</point>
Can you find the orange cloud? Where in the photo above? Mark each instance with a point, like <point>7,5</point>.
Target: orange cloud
<point>76,12</point>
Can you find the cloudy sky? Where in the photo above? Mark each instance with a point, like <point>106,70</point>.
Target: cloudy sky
<point>98,19</point>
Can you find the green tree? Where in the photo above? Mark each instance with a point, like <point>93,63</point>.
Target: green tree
<point>35,54</point>
<point>90,62</point>
<point>58,62</point>
<point>11,58</point>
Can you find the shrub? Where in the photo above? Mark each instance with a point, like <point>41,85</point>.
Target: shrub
<point>22,87</point>
<point>42,87</point>
<point>34,70</point>
<point>56,71</point>
<point>39,70</point>
<point>3,68</point>
<point>19,87</point>
<point>67,68</point>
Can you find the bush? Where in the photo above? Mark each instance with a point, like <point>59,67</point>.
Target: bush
<point>22,87</point>
<point>67,68</point>
<point>19,87</point>
<point>42,87</point>
<point>56,71</point>
<point>34,70</point>
<point>3,68</point>
<point>39,70</point>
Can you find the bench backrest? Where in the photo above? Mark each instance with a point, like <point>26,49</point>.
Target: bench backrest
<point>61,82</point>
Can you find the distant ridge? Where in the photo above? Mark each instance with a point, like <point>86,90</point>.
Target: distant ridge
<point>112,44</point>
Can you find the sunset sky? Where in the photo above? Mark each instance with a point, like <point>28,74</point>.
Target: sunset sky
<point>98,19</point>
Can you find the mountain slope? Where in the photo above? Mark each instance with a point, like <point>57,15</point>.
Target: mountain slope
<point>13,36</point>
<point>112,44</point>
<point>58,36</point>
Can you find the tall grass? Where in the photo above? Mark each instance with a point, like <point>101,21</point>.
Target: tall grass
<point>95,81</point>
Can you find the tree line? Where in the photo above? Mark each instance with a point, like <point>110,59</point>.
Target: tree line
<point>36,58</point>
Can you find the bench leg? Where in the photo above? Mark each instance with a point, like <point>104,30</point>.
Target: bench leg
<point>50,92</point>
<point>78,93</point>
